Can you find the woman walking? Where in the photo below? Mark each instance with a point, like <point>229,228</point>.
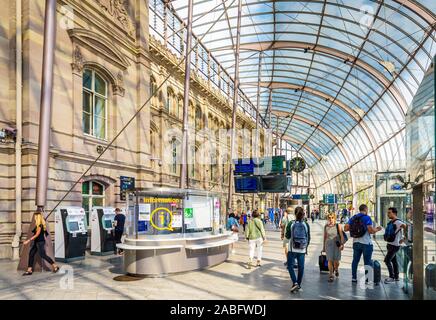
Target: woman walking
<point>333,244</point>
<point>255,234</point>
<point>38,239</point>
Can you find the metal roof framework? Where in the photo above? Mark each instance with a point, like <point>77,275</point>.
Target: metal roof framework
<point>337,75</point>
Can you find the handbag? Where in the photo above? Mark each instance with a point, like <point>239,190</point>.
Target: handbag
<point>344,235</point>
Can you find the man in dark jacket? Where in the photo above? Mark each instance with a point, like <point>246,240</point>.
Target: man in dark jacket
<point>119,222</point>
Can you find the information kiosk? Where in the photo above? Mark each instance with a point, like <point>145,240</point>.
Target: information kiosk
<point>102,227</point>
<point>173,230</point>
<point>70,234</point>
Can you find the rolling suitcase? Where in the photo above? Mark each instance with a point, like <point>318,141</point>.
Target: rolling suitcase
<point>323,263</point>
<point>377,272</point>
<point>430,276</point>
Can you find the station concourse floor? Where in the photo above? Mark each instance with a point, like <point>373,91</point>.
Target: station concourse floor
<point>94,278</point>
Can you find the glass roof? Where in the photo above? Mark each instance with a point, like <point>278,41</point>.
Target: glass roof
<point>339,75</point>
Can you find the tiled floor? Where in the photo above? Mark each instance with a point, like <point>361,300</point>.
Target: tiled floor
<point>94,278</point>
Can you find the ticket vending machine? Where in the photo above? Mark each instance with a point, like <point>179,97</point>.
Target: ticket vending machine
<point>70,234</point>
<point>102,226</point>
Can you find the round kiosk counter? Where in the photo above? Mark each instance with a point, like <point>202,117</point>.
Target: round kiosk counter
<point>161,255</point>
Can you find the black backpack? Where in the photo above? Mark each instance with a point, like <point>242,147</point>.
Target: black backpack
<point>357,227</point>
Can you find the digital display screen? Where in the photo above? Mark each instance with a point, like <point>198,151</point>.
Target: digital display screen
<point>244,166</point>
<point>274,184</point>
<point>74,226</point>
<point>277,164</point>
<point>246,184</point>
<point>107,224</point>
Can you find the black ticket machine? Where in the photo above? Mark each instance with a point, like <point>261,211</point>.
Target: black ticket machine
<point>70,234</point>
<point>102,226</point>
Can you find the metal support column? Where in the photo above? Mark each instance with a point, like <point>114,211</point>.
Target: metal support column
<point>185,139</point>
<point>256,141</point>
<point>46,102</point>
<point>418,242</point>
<point>235,106</point>
<point>44,135</point>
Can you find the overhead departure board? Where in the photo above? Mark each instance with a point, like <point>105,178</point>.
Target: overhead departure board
<point>246,184</point>
<point>274,183</point>
<point>244,167</point>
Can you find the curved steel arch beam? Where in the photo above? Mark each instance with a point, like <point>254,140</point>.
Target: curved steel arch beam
<point>343,106</point>
<point>346,90</point>
<point>419,9</point>
<point>277,45</point>
<point>291,86</point>
<point>331,137</point>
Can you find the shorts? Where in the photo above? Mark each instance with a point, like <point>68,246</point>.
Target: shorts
<point>285,242</point>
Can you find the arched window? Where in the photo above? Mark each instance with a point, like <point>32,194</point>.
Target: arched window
<point>170,101</point>
<point>217,130</point>
<point>173,155</point>
<point>191,116</point>
<point>198,119</point>
<point>94,104</point>
<point>92,196</point>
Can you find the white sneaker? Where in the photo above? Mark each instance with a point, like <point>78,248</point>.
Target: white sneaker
<point>233,251</point>
<point>389,280</point>
<point>294,288</point>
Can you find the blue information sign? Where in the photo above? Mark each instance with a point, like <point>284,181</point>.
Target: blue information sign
<point>329,198</point>
<point>127,183</point>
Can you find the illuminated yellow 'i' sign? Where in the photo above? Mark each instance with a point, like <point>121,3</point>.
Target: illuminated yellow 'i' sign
<point>162,212</point>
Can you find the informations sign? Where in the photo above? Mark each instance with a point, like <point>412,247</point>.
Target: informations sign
<point>189,215</point>
<point>126,184</point>
<point>329,198</point>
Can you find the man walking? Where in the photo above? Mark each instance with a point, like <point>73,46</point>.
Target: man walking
<point>298,233</point>
<point>361,228</point>
<point>394,238</point>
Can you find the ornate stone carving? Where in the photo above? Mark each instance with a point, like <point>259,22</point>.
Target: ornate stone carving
<point>78,61</point>
<point>162,71</point>
<point>117,10</point>
<point>118,86</point>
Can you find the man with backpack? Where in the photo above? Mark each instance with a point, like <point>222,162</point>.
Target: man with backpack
<point>393,236</point>
<point>361,228</point>
<point>298,233</point>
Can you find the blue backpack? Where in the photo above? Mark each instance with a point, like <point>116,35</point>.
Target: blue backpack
<point>391,231</point>
<point>299,235</point>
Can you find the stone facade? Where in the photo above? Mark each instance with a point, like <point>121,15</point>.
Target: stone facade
<point>111,38</point>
